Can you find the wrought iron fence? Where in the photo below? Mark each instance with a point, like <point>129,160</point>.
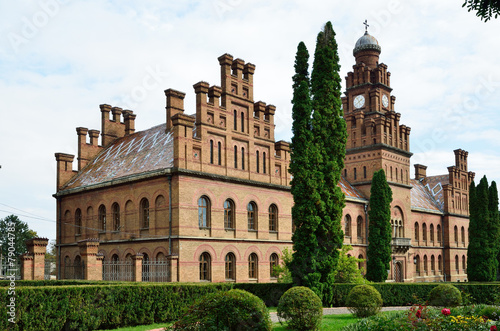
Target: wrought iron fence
<point>117,270</point>
<point>74,270</point>
<point>156,271</point>
<point>9,270</point>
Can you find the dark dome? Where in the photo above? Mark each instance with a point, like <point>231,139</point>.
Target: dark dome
<point>366,42</point>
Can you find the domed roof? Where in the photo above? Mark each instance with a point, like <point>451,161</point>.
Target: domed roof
<point>366,42</point>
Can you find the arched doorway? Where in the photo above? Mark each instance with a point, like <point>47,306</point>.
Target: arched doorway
<point>398,272</point>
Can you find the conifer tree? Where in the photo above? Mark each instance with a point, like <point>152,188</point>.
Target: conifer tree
<point>318,235</point>
<point>495,224</point>
<point>379,231</point>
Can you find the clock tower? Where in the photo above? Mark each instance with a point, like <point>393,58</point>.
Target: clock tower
<point>376,139</point>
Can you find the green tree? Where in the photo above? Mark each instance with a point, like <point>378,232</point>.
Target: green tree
<point>318,151</point>
<point>282,271</point>
<point>482,251</point>
<point>495,221</point>
<point>14,233</point>
<point>347,268</point>
<point>379,231</point>
<point>485,9</point>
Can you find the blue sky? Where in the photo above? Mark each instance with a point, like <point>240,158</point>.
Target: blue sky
<point>60,59</point>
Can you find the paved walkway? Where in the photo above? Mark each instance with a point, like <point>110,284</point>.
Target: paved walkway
<point>326,311</point>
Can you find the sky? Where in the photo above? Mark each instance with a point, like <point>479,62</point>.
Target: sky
<point>61,59</point>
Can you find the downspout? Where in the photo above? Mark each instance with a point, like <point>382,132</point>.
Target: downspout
<point>169,176</point>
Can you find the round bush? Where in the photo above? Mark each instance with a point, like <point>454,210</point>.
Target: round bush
<point>445,295</point>
<point>364,301</point>
<point>491,312</point>
<point>226,310</point>
<point>301,308</point>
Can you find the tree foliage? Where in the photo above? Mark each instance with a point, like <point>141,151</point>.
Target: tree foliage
<point>379,231</point>
<point>15,238</point>
<point>347,268</point>
<point>282,271</point>
<point>485,9</point>
<point>482,263</point>
<point>318,151</point>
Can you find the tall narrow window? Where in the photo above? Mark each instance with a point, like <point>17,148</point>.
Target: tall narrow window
<point>144,212</point>
<point>205,267</point>
<point>228,214</point>
<point>251,216</point>
<point>242,122</point>
<point>425,264</point>
<point>78,222</point>
<point>355,174</point>
<point>417,235</point>
<point>219,153</point>
<point>204,212</point>
<point>243,158</point>
<point>402,180</point>
<point>417,265</point>
<point>253,264</point>
<point>115,209</point>
<point>347,225</point>
<point>464,266</point>
<point>273,262</point>
<point>235,157</point>
<point>273,218</point>
<point>211,152</point>
<point>230,266</point>
<point>462,230</point>
<point>456,263</point>
<point>102,218</point>
<point>455,230</point>
<point>438,230</point>
<point>359,228</point>
<point>431,232</point>
<point>424,232</point>
<point>235,120</point>
<point>264,162</point>
<point>257,156</point>
<point>440,264</point>
<point>364,172</point>
<point>433,264</point>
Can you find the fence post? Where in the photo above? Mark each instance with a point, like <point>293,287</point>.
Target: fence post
<point>88,252</point>
<point>37,247</point>
<point>137,277</point>
<point>174,260</point>
<point>27,266</point>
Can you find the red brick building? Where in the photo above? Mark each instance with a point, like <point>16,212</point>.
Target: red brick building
<point>210,192</point>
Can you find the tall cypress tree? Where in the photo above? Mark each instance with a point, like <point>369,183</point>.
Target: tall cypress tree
<point>379,231</point>
<point>318,236</point>
<point>481,253</point>
<point>495,225</point>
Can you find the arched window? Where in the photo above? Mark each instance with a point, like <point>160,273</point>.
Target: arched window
<point>402,175</point>
<point>424,232</point>
<point>455,230</point>
<point>273,218</point>
<point>211,152</point>
<point>78,222</point>
<point>243,158</point>
<point>229,214</point>
<point>273,262</point>
<point>431,232</point>
<point>417,265</point>
<point>204,212</point>
<point>253,266</point>
<point>417,235</point>
<point>115,209</point>
<point>433,264</point>
<point>230,266</point>
<point>264,162</point>
<point>144,213</point>
<point>364,172</point>
<point>347,225</point>
<point>456,263</point>
<point>219,153</point>
<point>102,218</point>
<point>252,216</point>
<point>361,264</point>
<point>205,267</point>
<point>359,227</point>
<point>464,266</point>
<point>257,160</point>
<point>396,174</point>
<point>235,157</point>
<point>146,271</point>
<point>438,230</point>
<point>462,230</point>
<point>425,264</point>
<point>235,120</point>
<point>242,122</point>
<point>78,267</point>
<point>440,264</point>
<point>115,258</point>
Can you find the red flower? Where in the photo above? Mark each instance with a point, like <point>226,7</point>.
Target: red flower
<point>419,313</point>
<point>493,328</point>
<point>445,312</point>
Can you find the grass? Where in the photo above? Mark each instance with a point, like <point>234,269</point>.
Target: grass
<point>142,327</point>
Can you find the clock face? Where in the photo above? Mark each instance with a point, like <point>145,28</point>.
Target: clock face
<point>385,101</point>
<point>359,101</point>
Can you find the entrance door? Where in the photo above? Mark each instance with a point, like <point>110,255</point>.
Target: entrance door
<point>398,272</point>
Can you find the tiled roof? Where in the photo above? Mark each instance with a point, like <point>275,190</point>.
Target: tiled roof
<point>423,198</point>
<point>138,153</point>
<point>434,185</point>
<point>348,190</point>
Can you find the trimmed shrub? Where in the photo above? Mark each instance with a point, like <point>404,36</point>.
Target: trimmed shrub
<point>364,301</point>
<point>445,295</point>
<point>269,292</point>
<point>301,308</point>
<point>491,312</point>
<point>231,310</point>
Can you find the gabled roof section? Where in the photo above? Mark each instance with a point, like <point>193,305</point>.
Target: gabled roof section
<point>138,153</point>
<point>426,199</point>
<point>349,191</point>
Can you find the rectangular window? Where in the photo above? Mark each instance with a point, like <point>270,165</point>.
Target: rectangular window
<point>211,152</point>
<point>235,157</point>
<point>257,161</point>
